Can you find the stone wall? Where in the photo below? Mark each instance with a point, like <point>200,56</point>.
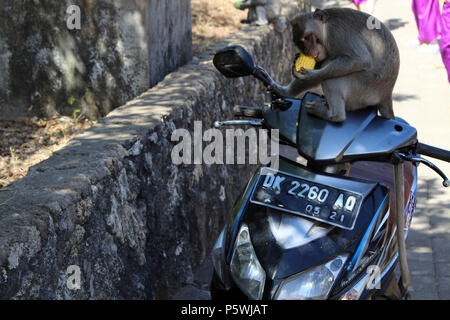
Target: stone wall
<point>170,38</point>
<point>59,56</point>
<point>114,207</point>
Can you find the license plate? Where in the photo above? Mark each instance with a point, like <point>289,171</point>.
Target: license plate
<point>296,195</point>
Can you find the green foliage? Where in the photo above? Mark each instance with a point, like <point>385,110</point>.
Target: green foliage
<point>71,100</point>
<point>75,113</point>
<point>11,151</point>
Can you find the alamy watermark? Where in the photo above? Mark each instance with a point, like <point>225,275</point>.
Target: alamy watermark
<point>373,23</point>
<point>374,277</point>
<point>73,20</point>
<point>228,149</point>
<point>73,277</point>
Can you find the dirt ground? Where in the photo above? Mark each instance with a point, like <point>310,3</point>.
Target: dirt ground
<point>213,20</point>
<point>26,142</point>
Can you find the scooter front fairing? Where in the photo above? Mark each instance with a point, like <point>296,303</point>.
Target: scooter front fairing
<point>301,255</point>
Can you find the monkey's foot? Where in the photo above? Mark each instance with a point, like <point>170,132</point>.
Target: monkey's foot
<point>321,110</point>
<point>317,108</point>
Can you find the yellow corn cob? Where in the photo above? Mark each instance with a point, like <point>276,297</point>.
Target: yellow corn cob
<point>304,61</point>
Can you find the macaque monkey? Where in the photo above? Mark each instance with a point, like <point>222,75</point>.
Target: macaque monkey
<point>262,12</point>
<point>357,62</point>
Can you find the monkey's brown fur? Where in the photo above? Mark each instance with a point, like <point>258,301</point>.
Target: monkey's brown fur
<point>358,62</point>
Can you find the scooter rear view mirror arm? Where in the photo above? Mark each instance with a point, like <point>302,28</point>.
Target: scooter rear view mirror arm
<point>417,159</point>
<point>261,74</point>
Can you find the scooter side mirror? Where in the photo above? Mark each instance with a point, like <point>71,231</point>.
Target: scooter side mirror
<point>234,62</point>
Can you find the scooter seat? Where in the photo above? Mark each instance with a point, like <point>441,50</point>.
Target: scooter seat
<point>362,136</point>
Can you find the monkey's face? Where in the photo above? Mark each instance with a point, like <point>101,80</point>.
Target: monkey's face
<point>308,36</point>
<point>313,46</point>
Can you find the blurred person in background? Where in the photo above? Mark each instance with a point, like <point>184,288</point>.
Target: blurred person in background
<point>428,20</point>
<point>356,4</point>
<point>445,36</point>
<point>262,12</point>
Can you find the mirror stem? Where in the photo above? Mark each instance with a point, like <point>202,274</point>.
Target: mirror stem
<point>261,74</point>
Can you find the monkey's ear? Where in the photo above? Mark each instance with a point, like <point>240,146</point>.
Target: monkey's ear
<point>320,15</point>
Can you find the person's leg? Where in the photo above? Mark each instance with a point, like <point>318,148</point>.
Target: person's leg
<point>427,15</point>
<point>356,4</point>
<point>445,36</point>
<point>261,16</point>
<point>371,7</point>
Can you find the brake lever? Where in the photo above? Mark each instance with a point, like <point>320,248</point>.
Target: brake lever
<point>257,123</point>
<point>417,159</point>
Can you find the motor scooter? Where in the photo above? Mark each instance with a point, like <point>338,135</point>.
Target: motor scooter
<point>333,228</point>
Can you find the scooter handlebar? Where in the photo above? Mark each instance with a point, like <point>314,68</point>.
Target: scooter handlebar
<point>247,111</point>
<point>433,152</point>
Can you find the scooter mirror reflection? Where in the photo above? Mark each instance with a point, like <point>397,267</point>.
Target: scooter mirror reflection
<point>234,62</point>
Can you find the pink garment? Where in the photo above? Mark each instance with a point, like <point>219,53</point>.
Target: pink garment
<point>445,37</point>
<point>428,19</point>
<point>358,2</point>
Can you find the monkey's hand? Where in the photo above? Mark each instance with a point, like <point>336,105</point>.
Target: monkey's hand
<point>305,74</point>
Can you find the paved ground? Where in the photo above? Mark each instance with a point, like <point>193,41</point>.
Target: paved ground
<point>422,97</point>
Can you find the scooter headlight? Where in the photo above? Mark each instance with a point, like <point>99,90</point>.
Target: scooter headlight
<point>246,270</point>
<point>312,284</point>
